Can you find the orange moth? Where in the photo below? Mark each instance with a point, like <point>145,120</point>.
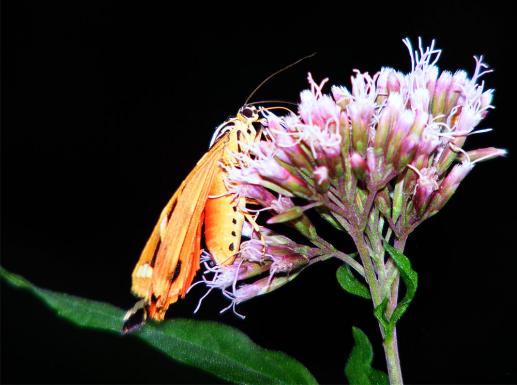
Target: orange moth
<point>171,256</point>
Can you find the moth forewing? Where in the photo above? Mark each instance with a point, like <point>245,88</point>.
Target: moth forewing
<point>175,237</point>
<point>170,258</point>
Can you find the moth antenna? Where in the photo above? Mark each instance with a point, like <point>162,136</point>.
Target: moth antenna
<point>276,73</point>
<point>272,101</point>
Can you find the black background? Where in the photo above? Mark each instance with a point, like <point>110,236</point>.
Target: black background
<point>106,108</point>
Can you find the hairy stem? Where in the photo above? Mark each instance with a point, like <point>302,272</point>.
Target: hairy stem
<point>327,249</point>
<point>391,350</point>
<point>392,359</point>
<point>369,270</point>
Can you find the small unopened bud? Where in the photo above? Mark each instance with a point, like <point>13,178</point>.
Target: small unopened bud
<point>388,118</point>
<point>482,154</point>
<point>290,146</point>
<point>361,113</point>
<point>261,286</point>
<point>257,193</point>
<point>242,268</point>
<point>406,152</point>
<point>440,93</point>
<point>359,166</point>
<point>425,187</point>
<point>381,134</point>
<point>321,176</point>
<point>341,95</point>
<point>448,186</point>
<point>300,222</point>
<point>458,81</point>
<point>393,82</point>
<point>401,129</point>
<point>286,216</point>
<point>288,263</point>
<point>382,82</point>
<point>273,171</point>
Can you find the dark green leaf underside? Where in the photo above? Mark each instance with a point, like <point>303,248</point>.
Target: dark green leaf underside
<point>215,348</point>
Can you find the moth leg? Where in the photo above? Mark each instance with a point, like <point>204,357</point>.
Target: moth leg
<point>135,317</point>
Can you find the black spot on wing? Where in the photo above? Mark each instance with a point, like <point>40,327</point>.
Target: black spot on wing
<point>176,273</point>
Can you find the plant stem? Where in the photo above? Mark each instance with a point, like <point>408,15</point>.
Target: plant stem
<point>391,352</point>
<point>369,270</point>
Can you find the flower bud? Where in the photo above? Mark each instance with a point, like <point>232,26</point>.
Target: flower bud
<point>388,116</point>
<point>285,141</point>
<point>420,99</point>
<point>341,95</point>
<point>448,186</point>
<point>361,113</point>
<point>458,80</point>
<point>274,172</point>
<point>359,166</point>
<point>258,193</point>
<point>286,216</point>
<point>425,187</point>
<point>300,222</point>
<point>242,268</point>
<point>321,176</point>
<point>482,154</point>
<point>449,154</point>
<point>404,123</point>
<point>406,152</point>
<point>440,93</point>
<point>288,263</point>
<point>393,82</point>
<point>261,286</point>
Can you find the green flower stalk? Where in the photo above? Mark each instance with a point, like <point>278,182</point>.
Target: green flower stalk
<point>375,161</point>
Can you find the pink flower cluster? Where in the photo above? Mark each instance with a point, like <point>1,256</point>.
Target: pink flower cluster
<point>389,146</point>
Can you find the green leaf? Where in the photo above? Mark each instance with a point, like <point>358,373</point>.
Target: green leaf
<point>358,368</point>
<point>410,279</point>
<point>380,313</point>
<point>350,283</point>
<point>408,275</point>
<point>215,348</point>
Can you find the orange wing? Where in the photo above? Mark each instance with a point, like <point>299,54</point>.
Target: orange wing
<point>224,215</point>
<point>170,257</point>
